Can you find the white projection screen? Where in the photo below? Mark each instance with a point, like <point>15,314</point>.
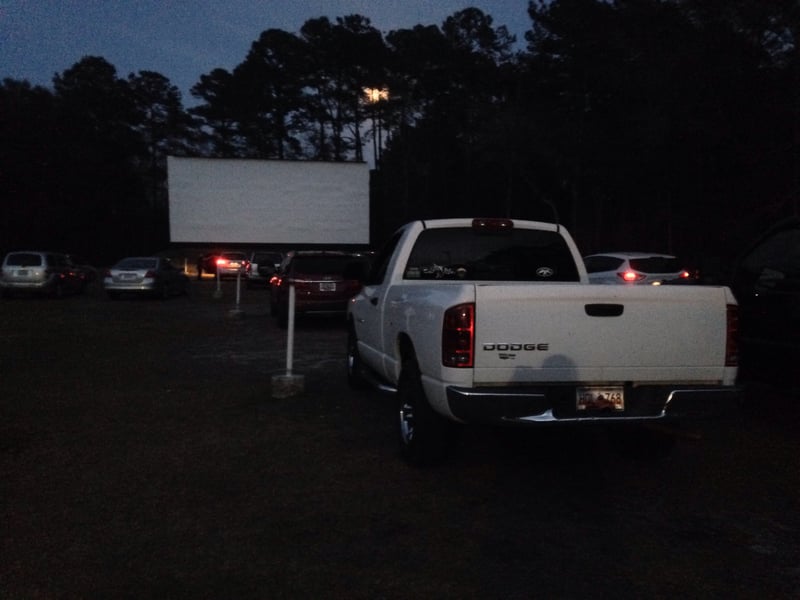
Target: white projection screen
<point>245,201</point>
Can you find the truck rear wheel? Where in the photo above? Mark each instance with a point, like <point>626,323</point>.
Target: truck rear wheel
<point>425,436</point>
<point>640,442</point>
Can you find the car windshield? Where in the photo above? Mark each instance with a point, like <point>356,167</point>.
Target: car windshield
<point>137,263</point>
<point>24,259</point>
<point>655,264</point>
<point>517,255</point>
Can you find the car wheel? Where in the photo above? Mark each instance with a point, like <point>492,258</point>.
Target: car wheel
<point>355,368</point>
<point>425,436</point>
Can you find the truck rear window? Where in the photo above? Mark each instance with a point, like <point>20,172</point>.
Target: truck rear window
<point>516,255</point>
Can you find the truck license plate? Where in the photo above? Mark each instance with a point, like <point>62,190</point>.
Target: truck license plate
<point>600,398</point>
<point>327,286</point>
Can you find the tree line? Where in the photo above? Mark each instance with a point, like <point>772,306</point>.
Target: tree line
<point>666,125</point>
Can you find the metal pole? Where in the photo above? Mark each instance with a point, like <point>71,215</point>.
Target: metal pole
<point>238,288</point>
<point>290,333</point>
<point>218,291</point>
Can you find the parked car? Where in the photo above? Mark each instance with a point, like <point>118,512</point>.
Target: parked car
<point>34,271</point>
<point>766,282</point>
<point>322,280</point>
<point>262,265</point>
<point>84,270</point>
<point>228,263</point>
<point>634,268</point>
<point>151,275</point>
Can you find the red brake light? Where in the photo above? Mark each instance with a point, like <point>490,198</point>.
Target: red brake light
<point>458,336</point>
<point>630,276</point>
<point>492,225</point>
<point>221,261</point>
<point>685,275</point>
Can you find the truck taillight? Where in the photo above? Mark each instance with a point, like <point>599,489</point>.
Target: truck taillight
<point>458,336</point>
<point>492,225</point>
<point>732,337</point>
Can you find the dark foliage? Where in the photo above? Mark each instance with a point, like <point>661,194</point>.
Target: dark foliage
<point>666,125</point>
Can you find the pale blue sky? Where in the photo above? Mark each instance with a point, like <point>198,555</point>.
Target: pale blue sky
<point>183,39</point>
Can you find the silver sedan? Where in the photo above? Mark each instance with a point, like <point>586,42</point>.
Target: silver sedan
<point>152,275</point>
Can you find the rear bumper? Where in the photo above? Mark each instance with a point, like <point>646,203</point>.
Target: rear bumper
<point>557,403</point>
<point>133,286</point>
<point>33,285</point>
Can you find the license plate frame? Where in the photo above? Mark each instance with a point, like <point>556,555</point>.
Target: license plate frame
<point>327,286</point>
<point>600,398</point>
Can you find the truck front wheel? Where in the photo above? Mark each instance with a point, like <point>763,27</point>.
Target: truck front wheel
<point>425,436</point>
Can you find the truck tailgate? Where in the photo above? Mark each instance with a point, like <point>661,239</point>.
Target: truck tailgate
<point>601,333</point>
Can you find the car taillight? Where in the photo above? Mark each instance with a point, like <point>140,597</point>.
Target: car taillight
<point>685,275</point>
<point>221,262</point>
<point>630,276</point>
<point>732,337</point>
<point>458,336</point>
<point>150,274</point>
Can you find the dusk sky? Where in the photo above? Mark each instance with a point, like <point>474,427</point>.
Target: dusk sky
<point>184,39</point>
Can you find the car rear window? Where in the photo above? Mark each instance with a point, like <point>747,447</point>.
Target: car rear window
<point>516,255</point>
<point>24,259</point>
<point>655,264</point>
<point>598,264</point>
<point>138,263</point>
<point>266,258</point>
<point>319,265</point>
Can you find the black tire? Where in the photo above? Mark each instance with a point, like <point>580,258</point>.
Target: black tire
<point>355,368</point>
<point>426,437</point>
<point>640,442</point>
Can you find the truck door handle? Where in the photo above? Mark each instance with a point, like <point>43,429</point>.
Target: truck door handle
<point>604,310</point>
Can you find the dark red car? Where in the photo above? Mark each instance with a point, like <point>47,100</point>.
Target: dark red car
<point>324,282</point>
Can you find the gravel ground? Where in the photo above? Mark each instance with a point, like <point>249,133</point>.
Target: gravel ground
<point>143,456</point>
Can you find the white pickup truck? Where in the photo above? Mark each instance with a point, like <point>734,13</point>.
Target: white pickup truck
<point>494,321</point>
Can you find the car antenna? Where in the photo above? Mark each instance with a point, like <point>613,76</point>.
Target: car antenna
<point>544,200</point>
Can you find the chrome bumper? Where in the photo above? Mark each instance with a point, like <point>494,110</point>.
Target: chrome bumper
<point>556,404</point>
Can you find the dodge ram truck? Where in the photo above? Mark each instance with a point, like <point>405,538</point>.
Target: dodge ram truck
<point>494,321</point>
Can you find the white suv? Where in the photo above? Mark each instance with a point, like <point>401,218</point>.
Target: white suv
<point>634,268</point>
